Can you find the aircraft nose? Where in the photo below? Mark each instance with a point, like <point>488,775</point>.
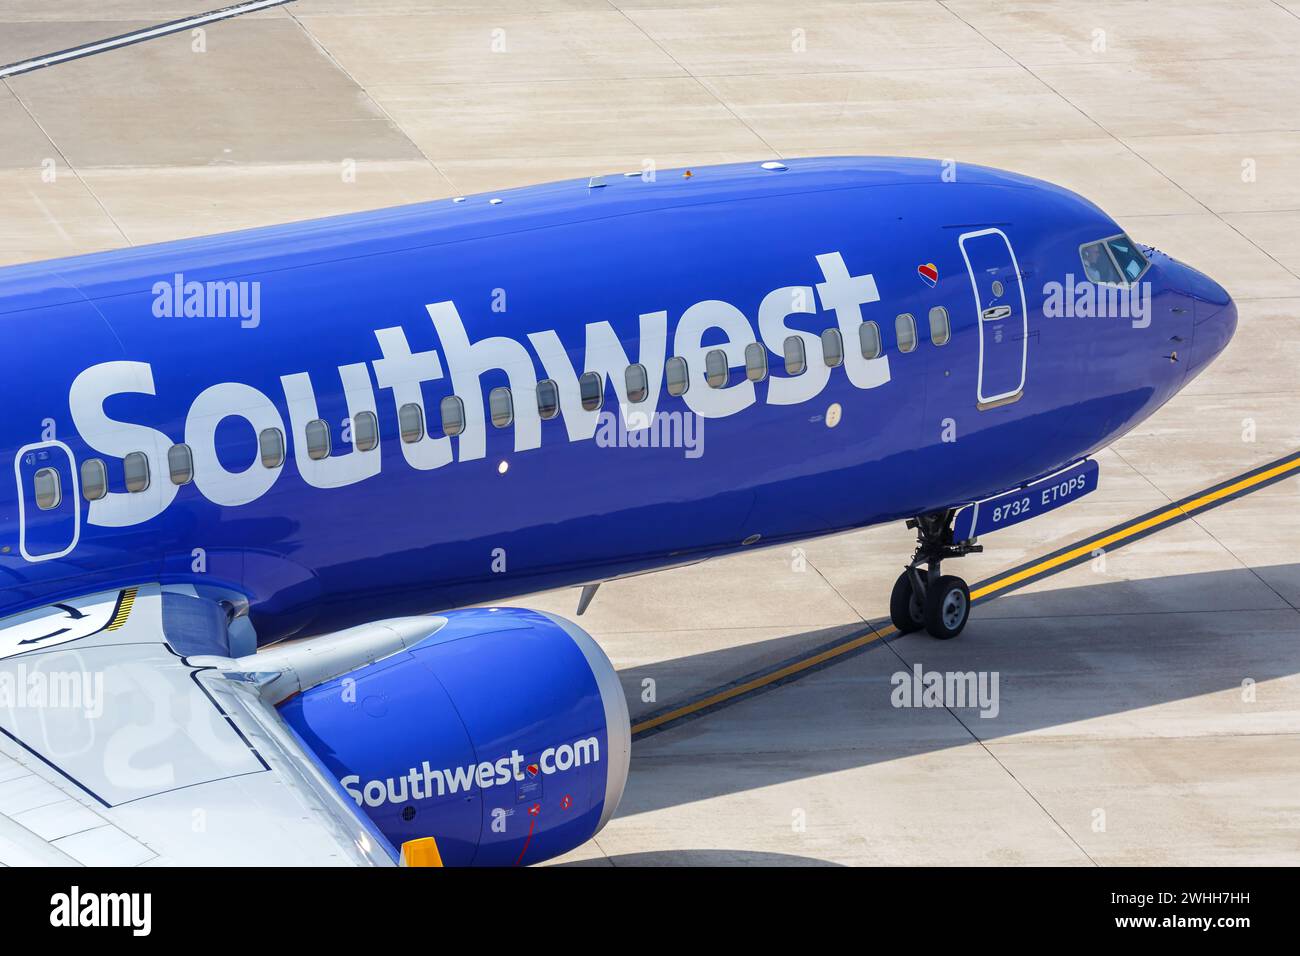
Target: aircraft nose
<point>1214,314</point>
<point>1215,322</point>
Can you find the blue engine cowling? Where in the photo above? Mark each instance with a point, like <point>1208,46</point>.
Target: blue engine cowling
<point>504,735</point>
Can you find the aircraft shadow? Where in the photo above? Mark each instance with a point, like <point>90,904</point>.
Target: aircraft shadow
<point>1061,657</point>
<point>702,858</point>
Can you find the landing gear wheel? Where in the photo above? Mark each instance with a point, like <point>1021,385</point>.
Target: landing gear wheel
<point>947,607</point>
<point>905,607</point>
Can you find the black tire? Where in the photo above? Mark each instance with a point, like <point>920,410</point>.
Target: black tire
<point>905,608</point>
<point>947,608</point>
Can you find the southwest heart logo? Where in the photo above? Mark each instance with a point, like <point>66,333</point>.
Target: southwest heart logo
<point>532,769</point>
<point>928,273</point>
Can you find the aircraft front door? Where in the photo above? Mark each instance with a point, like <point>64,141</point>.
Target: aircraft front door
<point>1002,315</point>
<point>49,513</point>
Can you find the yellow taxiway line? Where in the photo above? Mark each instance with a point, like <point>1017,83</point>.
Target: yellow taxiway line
<point>1118,536</point>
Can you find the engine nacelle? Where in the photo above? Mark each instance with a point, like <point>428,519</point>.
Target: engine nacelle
<point>504,735</point>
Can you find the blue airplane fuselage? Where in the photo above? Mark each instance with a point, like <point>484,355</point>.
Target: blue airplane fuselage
<point>118,353</point>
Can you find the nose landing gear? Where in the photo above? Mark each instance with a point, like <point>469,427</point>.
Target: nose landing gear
<point>923,597</point>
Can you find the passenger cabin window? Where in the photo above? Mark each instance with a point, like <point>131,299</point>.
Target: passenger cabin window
<point>592,387</point>
<point>365,431</point>
<point>676,375</point>
<point>270,443</point>
<point>136,467</point>
<point>905,331</point>
<point>410,421</point>
<point>49,491</point>
<point>795,358</point>
<point>318,440</point>
<point>180,464</point>
<point>453,415</point>
<point>869,339</point>
<point>638,383</point>
<point>94,479</point>
<point>1131,262</point>
<point>716,368</point>
<point>940,330</point>
<point>755,361</point>
<point>548,398</point>
<point>502,407</point>
<point>833,348</point>
<point>1098,265</point>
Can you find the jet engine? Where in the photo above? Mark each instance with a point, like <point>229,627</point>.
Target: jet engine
<point>501,733</point>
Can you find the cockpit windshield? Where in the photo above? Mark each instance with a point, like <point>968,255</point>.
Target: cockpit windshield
<point>1098,265</point>
<point>1116,260</point>
<point>1131,262</point>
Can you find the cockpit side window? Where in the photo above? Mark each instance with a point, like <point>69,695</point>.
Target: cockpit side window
<point>1098,265</point>
<point>1131,262</point>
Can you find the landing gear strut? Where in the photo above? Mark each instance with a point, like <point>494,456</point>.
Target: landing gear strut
<point>924,597</point>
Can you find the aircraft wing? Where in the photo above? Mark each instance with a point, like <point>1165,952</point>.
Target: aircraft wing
<point>122,744</point>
